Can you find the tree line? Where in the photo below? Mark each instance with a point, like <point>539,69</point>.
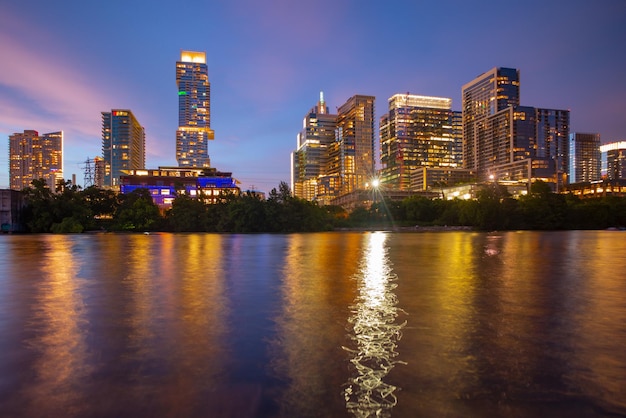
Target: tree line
<point>72,209</point>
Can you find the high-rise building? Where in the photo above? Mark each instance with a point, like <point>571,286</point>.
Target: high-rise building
<point>33,157</point>
<point>351,157</point>
<point>194,110</point>
<point>613,157</point>
<point>508,142</point>
<point>585,163</point>
<point>483,98</point>
<point>552,146</point>
<point>123,144</point>
<point>309,160</point>
<point>418,132</point>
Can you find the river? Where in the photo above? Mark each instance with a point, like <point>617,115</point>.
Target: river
<point>339,324</point>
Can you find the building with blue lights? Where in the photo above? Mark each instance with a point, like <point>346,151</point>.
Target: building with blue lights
<point>166,183</point>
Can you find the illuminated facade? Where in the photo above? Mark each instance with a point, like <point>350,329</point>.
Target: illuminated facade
<point>165,183</point>
<point>418,132</point>
<point>194,110</point>
<point>613,158</point>
<point>484,98</point>
<point>585,162</point>
<point>33,157</point>
<point>351,162</point>
<point>123,144</point>
<point>509,142</point>
<point>309,161</point>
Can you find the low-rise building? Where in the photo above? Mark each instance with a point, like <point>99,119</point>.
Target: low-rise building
<point>166,183</point>
<point>11,205</point>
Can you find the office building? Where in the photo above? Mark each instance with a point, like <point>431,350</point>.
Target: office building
<point>417,133</point>
<point>351,157</point>
<point>33,157</point>
<point>123,144</point>
<point>505,141</point>
<point>613,156</point>
<point>194,110</point>
<point>585,162</point>
<point>309,160</point>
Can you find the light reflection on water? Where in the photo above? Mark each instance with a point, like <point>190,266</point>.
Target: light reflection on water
<point>313,325</point>
<point>375,334</point>
<point>60,366</point>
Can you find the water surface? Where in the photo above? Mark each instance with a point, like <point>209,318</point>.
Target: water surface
<point>332,324</point>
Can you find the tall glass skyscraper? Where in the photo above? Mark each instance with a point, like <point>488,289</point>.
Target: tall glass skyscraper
<point>418,132</point>
<point>33,157</point>
<point>351,156</point>
<point>123,144</point>
<point>585,163</point>
<point>194,110</point>
<point>613,156</point>
<point>508,142</point>
<point>484,97</point>
<point>310,159</point>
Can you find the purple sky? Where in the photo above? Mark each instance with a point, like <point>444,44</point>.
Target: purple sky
<point>63,62</point>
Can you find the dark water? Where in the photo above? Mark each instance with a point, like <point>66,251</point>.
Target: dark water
<point>453,324</point>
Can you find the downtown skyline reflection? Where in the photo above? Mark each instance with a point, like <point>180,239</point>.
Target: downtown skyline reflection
<point>453,323</point>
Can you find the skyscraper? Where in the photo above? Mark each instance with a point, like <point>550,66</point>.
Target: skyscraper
<point>309,160</point>
<point>508,142</point>
<point>584,157</point>
<point>484,98</point>
<point>123,144</point>
<point>33,157</point>
<point>194,110</point>
<point>418,132</point>
<point>351,158</point>
<point>614,160</point>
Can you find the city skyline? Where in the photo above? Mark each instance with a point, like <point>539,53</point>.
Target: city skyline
<point>267,63</point>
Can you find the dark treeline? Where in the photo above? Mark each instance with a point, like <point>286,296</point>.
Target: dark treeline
<point>72,209</point>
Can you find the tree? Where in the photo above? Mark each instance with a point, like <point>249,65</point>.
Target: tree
<point>137,212</point>
<point>491,215</point>
<point>187,214</point>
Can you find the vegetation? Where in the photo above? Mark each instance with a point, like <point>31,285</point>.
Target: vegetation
<point>71,209</point>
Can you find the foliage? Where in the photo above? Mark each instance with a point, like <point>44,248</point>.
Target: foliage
<point>71,210</point>
<point>187,215</point>
<point>137,212</point>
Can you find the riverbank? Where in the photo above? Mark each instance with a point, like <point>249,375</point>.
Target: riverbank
<point>416,228</point>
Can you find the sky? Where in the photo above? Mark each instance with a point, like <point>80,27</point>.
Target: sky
<point>64,62</point>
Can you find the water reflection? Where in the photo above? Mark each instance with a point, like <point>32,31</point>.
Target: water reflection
<point>56,341</point>
<point>503,324</point>
<point>374,332</point>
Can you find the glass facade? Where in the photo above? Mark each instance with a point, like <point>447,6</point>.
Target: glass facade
<point>33,157</point>
<point>123,144</point>
<point>310,158</point>
<point>506,141</point>
<point>336,153</point>
<point>194,110</point>
<point>613,158</point>
<point>483,97</point>
<point>553,142</point>
<point>351,156</point>
<point>584,157</point>
<point>418,132</point>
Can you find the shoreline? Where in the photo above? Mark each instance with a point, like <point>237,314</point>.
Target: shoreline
<point>415,228</point>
